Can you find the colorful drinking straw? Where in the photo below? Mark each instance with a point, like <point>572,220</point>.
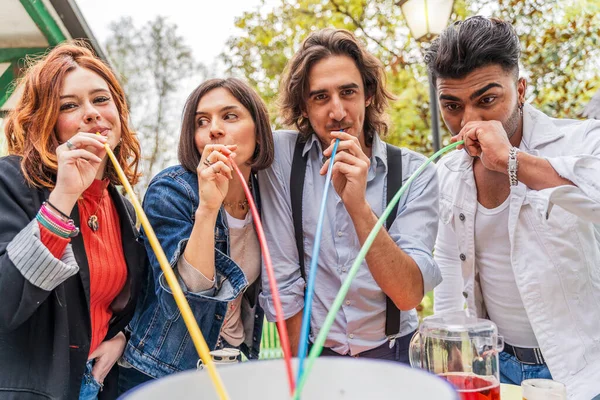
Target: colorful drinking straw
<point>337,303</point>
<point>312,274</point>
<point>281,327</point>
<point>182,303</point>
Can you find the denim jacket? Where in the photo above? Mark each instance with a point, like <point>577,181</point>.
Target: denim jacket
<point>160,343</point>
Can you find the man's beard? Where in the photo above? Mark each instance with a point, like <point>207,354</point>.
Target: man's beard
<point>511,125</point>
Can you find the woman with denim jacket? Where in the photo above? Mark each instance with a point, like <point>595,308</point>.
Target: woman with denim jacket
<point>201,218</point>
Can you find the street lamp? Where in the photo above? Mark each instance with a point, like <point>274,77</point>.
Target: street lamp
<point>426,19</point>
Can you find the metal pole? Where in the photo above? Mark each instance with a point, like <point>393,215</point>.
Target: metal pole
<point>435,114</point>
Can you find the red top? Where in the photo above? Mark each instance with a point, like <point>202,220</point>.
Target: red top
<point>104,250</point>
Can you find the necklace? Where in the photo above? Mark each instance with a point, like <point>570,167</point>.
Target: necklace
<point>242,205</point>
<point>92,221</point>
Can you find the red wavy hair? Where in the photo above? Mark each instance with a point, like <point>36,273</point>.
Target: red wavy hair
<point>30,127</point>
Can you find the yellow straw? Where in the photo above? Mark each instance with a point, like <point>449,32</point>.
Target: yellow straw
<point>182,303</point>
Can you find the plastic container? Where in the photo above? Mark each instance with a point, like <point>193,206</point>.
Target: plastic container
<point>331,378</point>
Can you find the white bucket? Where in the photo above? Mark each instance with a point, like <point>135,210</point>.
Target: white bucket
<point>330,378</point>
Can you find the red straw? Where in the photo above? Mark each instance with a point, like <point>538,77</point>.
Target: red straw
<point>281,327</point>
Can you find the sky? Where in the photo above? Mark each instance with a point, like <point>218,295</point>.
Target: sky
<point>204,24</point>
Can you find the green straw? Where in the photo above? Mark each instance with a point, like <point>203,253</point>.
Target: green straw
<point>339,299</point>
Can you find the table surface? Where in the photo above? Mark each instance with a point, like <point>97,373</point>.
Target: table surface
<point>510,392</point>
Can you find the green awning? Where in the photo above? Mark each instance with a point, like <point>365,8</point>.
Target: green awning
<point>30,27</point>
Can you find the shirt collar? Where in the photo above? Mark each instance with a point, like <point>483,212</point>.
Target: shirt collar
<point>538,129</point>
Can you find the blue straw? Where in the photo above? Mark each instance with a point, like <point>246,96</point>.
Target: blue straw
<point>315,351</point>
<point>312,274</point>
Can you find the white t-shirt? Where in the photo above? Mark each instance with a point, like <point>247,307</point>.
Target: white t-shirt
<point>500,293</point>
<point>245,251</point>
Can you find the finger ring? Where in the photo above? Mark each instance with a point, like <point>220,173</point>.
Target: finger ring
<point>70,145</point>
<point>207,163</point>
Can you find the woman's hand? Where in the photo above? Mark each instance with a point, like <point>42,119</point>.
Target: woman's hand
<point>214,173</point>
<point>106,355</point>
<point>79,160</point>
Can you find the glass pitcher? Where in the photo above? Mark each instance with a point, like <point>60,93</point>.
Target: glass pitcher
<point>461,349</point>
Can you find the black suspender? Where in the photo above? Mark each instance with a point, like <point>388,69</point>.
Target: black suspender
<point>394,182</point>
<point>296,188</point>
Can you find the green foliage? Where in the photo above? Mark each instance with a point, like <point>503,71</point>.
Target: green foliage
<point>425,309</point>
<point>560,52</point>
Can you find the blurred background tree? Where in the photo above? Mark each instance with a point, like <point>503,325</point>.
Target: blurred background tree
<point>559,40</point>
<point>152,63</point>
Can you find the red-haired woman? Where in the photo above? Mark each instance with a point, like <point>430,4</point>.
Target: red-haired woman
<point>70,264</point>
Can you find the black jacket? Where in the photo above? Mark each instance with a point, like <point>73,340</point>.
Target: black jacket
<point>45,335</point>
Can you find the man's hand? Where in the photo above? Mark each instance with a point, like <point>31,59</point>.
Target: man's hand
<point>349,175</point>
<point>487,140</point>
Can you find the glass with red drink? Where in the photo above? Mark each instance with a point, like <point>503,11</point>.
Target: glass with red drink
<point>474,387</point>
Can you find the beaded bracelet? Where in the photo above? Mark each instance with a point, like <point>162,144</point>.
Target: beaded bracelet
<point>69,224</point>
<point>53,207</point>
<point>52,228</point>
<point>64,229</point>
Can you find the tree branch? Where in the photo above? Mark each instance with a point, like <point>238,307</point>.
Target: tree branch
<point>400,59</point>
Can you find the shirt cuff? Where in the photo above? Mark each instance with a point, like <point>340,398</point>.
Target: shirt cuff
<point>430,271</point>
<point>35,261</point>
<point>292,301</point>
<point>195,280</point>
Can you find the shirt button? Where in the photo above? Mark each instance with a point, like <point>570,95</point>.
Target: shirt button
<point>344,269</point>
<point>351,336</point>
<point>465,295</point>
<point>461,216</point>
<point>462,257</point>
<point>340,233</point>
<point>347,302</point>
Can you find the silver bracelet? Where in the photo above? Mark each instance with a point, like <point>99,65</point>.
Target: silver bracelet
<point>513,165</point>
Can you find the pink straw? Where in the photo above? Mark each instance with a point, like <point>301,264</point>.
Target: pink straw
<point>281,327</point>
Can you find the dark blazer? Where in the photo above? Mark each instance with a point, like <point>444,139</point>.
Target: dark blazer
<point>45,335</point>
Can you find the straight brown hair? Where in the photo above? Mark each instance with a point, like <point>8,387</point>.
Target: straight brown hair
<point>188,154</point>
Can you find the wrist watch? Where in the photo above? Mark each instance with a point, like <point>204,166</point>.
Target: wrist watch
<point>513,165</point>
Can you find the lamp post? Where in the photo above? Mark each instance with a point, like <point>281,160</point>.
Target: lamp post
<point>426,19</point>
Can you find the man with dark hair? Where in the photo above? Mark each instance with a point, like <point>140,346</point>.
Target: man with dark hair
<point>334,89</point>
<point>517,240</point>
